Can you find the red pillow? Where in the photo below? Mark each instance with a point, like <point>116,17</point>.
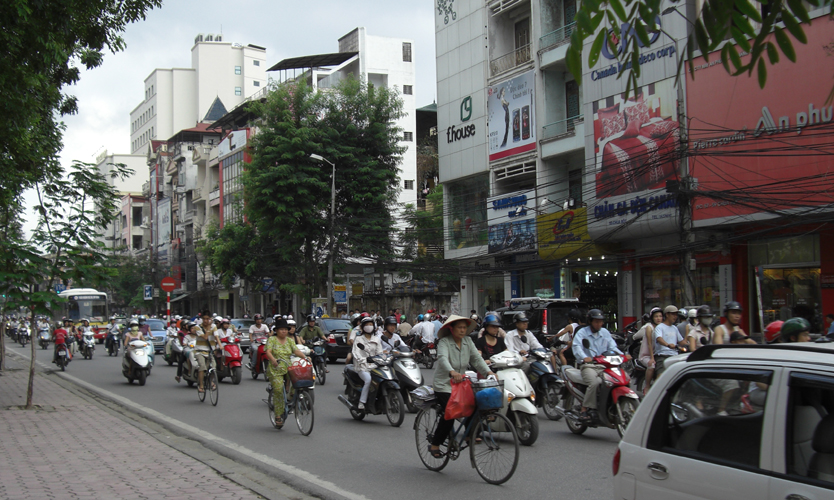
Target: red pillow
<point>612,121</point>
<point>632,130</point>
<point>638,111</point>
<point>663,128</point>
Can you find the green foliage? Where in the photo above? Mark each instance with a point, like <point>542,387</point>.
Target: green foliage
<point>125,287</point>
<point>426,232</point>
<point>718,21</point>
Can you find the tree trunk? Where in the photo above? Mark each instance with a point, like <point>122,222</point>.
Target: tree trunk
<point>312,282</point>
<point>2,343</point>
<point>31,388</point>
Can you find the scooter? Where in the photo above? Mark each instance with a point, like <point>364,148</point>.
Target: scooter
<point>23,335</point>
<point>43,338</point>
<point>88,345</point>
<point>408,373</point>
<point>135,363</point>
<point>62,355</point>
<point>112,342</point>
<point>616,401</point>
<point>257,363</point>
<point>384,396</point>
<point>546,382</point>
<point>520,395</point>
<point>427,355</point>
<point>229,360</point>
<point>173,349</point>
<point>319,357</point>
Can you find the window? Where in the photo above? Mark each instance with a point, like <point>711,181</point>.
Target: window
<point>409,184</point>
<point>136,216</point>
<point>713,416</point>
<point>137,243</point>
<point>810,414</point>
<point>238,91</point>
<point>408,136</point>
<point>256,62</point>
<point>257,83</point>
<point>406,52</point>
<point>408,89</point>
<point>237,70</point>
<point>575,187</point>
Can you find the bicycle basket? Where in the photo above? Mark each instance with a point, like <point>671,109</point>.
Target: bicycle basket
<point>301,374</point>
<point>489,394</point>
<point>423,397</point>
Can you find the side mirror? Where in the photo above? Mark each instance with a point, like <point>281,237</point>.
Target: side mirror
<point>361,346</point>
<point>586,343</point>
<point>523,338</point>
<point>397,343</point>
<point>703,341</point>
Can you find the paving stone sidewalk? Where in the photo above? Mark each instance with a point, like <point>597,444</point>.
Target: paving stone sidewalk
<point>72,448</point>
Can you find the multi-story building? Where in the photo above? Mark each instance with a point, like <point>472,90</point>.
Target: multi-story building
<point>177,98</point>
<point>125,233</point>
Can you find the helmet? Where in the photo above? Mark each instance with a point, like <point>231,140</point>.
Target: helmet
<point>85,320</point>
<point>402,318</point>
<point>793,327</point>
<point>491,320</point>
<point>703,311</point>
<point>133,323</point>
<point>595,314</point>
<point>419,317</point>
<point>474,317</point>
<point>390,320</point>
<point>670,309</point>
<point>520,318</point>
<point>310,318</point>
<point>225,320</point>
<point>646,318</point>
<point>692,313</point>
<point>367,319</point>
<point>354,320</point>
<point>291,322</point>
<point>773,332</point>
<point>683,312</point>
<point>574,315</point>
<point>732,306</point>
<point>259,317</point>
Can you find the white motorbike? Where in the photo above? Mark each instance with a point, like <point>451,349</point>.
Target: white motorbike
<point>519,393</point>
<point>136,365</point>
<point>88,345</point>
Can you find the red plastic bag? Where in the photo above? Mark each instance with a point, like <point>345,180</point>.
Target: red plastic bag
<point>462,401</point>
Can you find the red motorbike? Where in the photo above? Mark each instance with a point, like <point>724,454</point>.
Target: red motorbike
<point>616,402</point>
<point>230,360</point>
<point>257,365</point>
<point>63,355</point>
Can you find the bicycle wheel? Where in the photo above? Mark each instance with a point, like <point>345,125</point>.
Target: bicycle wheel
<point>424,427</point>
<point>271,409</point>
<point>304,413</point>
<point>213,387</point>
<point>496,455</point>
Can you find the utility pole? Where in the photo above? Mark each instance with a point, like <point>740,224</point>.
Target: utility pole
<point>331,307</point>
<point>686,188</point>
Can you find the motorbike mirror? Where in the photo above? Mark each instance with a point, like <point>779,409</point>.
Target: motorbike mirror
<point>703,341</point>
<point>586,343</point>
<point>523,338</point>
<point>397,343</point>
<point>360,346</point>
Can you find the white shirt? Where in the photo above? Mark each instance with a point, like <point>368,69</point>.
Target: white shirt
<point>670,334</point>
<point>372,347</point>
<point>228,332</point>
<point>425,330</point>
<point>514,343</point>
<point>388,344</point>
<point>262,331</point>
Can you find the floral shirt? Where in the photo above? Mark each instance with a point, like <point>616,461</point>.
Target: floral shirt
<point>280,351</point>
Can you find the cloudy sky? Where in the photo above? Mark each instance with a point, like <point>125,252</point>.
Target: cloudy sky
<point>287,29</point>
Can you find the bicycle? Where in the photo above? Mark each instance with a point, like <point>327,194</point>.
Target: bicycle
<point>491,438</point>
<point>210,383</point>
<point>297,400</point>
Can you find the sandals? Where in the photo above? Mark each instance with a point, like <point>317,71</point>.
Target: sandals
<point>201,389</point>
<point>436,453</point>
<point>279,422</point>
<point>177,378</point>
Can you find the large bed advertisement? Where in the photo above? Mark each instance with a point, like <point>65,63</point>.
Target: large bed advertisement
<point>761,152</point>
<point>511,116</point>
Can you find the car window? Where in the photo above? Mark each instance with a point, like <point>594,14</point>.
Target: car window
<point>243,324</point>
<point>810,428</point>
<point>533,315</point>
<point>335,324</point>
<point>715,416</point>
<point>155,324</point>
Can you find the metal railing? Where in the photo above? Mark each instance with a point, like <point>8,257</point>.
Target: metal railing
<point>509,61</point>
<point>214,194</point>
<point>562,127</point>
<point>556,37</point>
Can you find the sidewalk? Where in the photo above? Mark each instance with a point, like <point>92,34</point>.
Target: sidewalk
<point>72,448</point>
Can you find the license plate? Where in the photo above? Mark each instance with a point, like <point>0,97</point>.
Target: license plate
<point>432,351</point>
<point>62,353</point>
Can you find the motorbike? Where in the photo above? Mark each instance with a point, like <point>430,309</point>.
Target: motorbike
<point>257,363</point>
<point>229,360</point>
<point>173,349</point>
<point>23,335</point>
<point>616,401</point>
<point>519,393</point>
<point>318,355</point>
<point>135,364</point>
<point>546,382</point>
<point>63,355</point>
<point>112,344</point>
<point>427,355</point>
<point>384,396</point>
<point>43,338</point>
<point>72,342</point>
<point>88,345</point>
<point>408,373</point>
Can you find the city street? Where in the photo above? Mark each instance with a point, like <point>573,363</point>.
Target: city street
<point>343,457</point>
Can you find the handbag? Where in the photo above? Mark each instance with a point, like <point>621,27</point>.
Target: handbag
<point>462,401</point>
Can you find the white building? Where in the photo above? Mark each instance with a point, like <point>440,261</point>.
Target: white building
<point>123,231</point>
<point>177,98</point>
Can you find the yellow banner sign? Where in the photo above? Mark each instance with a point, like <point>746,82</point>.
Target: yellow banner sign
<point>564,235</point>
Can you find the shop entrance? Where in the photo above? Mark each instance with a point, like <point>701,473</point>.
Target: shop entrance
<point>789,292</point>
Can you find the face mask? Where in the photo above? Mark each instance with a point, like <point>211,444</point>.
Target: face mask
<point>368,328</point>
<point>134,328</point>
<point>706,321</point>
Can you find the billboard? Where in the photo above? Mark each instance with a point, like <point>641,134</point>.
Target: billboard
<point>564,235</point>
<point>511,116</point>
<point>163,231</point>
<point>758,152</point>
<point>512,222</point>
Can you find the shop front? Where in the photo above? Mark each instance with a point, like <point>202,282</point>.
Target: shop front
<point>661,283</point>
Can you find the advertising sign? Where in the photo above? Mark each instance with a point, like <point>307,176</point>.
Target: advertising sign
<point>163,231</point>
<point>148,292</point>
<point>564,235</point>
<point>511,116</point>
<point>512,222</point>
<point>340,294</point>
<point>756,151</point>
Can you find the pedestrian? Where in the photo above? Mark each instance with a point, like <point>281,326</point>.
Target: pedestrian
<point>830,319</point>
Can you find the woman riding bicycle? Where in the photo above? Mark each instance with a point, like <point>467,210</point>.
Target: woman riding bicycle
<point>455,353</point>
<point>207,339</point>
<point>279,346</point>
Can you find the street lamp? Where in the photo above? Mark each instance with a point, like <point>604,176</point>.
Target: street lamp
<point>332,213</point>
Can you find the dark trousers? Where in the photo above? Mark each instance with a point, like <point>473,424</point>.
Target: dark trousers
<point>444,427</point>
<point>180,361</point>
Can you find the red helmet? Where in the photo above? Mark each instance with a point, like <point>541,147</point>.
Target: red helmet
<point>773,331</point>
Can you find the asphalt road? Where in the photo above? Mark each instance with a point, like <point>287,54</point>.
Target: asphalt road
<point>364,458</point>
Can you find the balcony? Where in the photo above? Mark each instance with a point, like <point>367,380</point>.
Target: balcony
<point>556,37</point>
<point>498,6</point>
<point>564,136</point>
<point>196,194</point>
<point>146,189</point>
<point>214,197</point>
<point>509,61</point>
<point>561,128</point>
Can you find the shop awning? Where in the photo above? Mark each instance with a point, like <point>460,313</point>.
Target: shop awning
<point>180,297</point>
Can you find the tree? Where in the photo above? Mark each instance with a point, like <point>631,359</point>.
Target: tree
<point>717,21</point>
<point>125,288</point>
<point>424,237</point>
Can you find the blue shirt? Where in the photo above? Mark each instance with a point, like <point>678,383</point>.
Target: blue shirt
<point>601,342</point>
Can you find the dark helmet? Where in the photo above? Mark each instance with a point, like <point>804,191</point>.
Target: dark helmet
<point>793,327</point>
<point>259,317</point>
<point>646,318</point>
<point>704,311</point>
<point>520,318</point>
<point>390,320</point>
<point>574,315</point>
<point>491,320</point>
<point>732,306</point>
<point>773,332</point>
<point>595,314</point>
<point>310,318</point>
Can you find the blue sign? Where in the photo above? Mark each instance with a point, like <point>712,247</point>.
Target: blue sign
<point>148,292</point>
<point>319,312</point>
<point>340,297</point>
<point>60,288</point>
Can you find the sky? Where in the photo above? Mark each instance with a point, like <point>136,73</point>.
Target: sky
<point>108,93</point>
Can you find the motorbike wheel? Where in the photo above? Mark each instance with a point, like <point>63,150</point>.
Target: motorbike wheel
<point>304,416</point>
<point>394,408</point>
<point>357,414</point>
<point>321,374</point>
<point>254,374</point>
<point>527,427</point>
<point>424,427</point>
<point>190,383</point>
<point>627,407</point>
<point>170,360</point>
<point>575,427</point>
<point>551,401</point>
<point>142,377</point>
<point>236,375</point>
<point>428,361</point>
<point>332,359</point>
<point>61,363</point>
<point>495,457</point>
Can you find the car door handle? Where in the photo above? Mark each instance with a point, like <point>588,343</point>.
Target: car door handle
<point>656,467</point>
<point>794,496</point>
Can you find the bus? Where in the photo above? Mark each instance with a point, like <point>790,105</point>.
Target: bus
<point>84,303</point>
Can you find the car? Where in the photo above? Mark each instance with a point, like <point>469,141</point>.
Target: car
<point>734,421</point>
<point>547,316</point>
<point>158,333</point>
<point>242,326</point>
<point>336,330</point>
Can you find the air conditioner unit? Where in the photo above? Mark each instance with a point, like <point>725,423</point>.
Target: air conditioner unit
<point>198,38</point>
<point>209,37</point>
<point>218,38</point>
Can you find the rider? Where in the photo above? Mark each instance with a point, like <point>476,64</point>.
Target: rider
<point>647,346</point>
<point>701,330</point>
<point>190,336</point>
<point>666,337</point>
<point>59,337</point>
<point>796,330</point>
<point>599,342</point>
<point>113,334</point>
<point>423,333</point>
<point>491,343</point>
<point>389,335</point>
<point>311,331</point>
<point>732,311</point>
<point>523,346</point>
<point>256,332</point>
<point>279,346</point>
<point>207,339</point>
<point>371,346</point>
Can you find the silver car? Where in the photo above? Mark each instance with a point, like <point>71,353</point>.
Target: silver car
<point>158,333</point>
<point>242,326</point>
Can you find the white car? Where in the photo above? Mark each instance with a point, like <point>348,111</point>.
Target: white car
<point>734,422</point>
